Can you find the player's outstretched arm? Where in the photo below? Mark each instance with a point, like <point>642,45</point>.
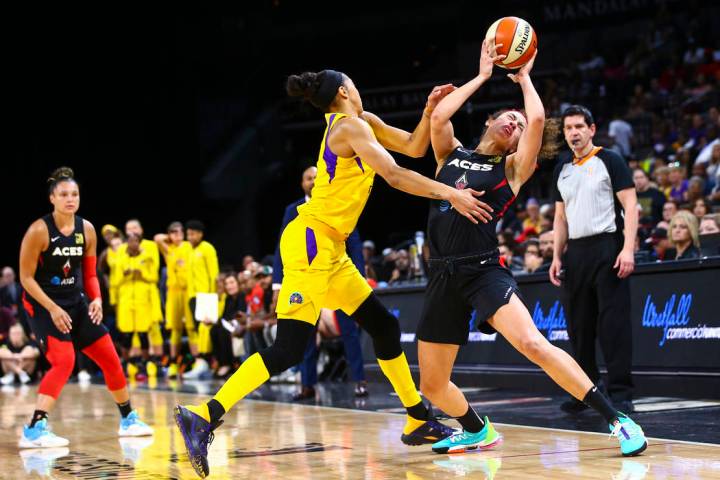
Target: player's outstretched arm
<point>413,144</point>
<point>525,158</point>
<point>442,134</point>
<point>355,133</point>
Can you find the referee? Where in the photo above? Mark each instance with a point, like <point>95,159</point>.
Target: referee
<point>591,191</point>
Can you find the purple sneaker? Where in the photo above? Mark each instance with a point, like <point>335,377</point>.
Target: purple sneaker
<point>198,435</point>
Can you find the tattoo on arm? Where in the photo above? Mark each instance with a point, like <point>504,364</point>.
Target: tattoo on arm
<point>435,195</point>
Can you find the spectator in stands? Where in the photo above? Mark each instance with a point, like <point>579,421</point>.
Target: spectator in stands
<point>386,267</point>
<point>695,190</point>
<point>546,250</point>
<point>402,271</point>
<point>532,258</point>
<point>710,224</point>
<point>234,309</point>
<point>650,199</point>
<point>700,208</point>
<point>368,250</point>
<point>621,132</point>
<point>669,210</point>
<point>533,220</point>
<point>662,180</point>
<point>510,259</point>
<point>10,290</point>
<point>659,242</point>
<point>18,356</point>
<point>247,260</point>
<point>684,237</point>
<point>678,184</point>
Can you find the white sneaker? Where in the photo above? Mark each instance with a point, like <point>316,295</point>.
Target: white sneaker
<point>8,379</point>
<point>84,376</point>
<point>200,367</point>
<point>40,436</point>
<point>24,378</point>
<point>132,426</point>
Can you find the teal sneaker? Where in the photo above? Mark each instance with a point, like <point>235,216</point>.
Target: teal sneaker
<point>631,436</point>
<point>462,441</point>
<point>41,436</point>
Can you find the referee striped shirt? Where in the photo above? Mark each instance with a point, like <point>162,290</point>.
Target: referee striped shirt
<point>588,187</point>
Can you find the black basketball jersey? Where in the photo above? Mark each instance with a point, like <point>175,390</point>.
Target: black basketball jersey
<point>451,234</point>
<point>60,266</point>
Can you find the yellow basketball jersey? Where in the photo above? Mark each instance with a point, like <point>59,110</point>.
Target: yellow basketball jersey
<point>178,264</point>
<point>342,187</point>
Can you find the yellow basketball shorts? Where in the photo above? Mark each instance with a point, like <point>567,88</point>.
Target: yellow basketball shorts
<point>177,311</point>
<point>317,273</point>
<point>134,318</point>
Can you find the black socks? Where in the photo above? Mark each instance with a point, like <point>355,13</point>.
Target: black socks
<point>124,408</point>
<point>37,416</point>
<point>418,411</point>
<point>471,422</point>
<point>216,410</point>
<point>596,400</point>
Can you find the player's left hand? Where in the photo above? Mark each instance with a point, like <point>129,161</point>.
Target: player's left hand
<point>95,311</point>
<point>437,94</point>
<point>626,264</point>
<point>524,72</point>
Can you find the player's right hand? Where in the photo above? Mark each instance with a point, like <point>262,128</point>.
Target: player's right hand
<point>554,272</point>
<point>61,319</point>
<point>467,205</point>
<point>488,57</point>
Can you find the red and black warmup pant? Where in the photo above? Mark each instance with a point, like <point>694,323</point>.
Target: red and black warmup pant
<point>597,307</point>
<point>59,348</point>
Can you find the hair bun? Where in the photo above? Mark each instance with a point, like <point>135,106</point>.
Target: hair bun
<point>304,85</point>
<point>60,174</point>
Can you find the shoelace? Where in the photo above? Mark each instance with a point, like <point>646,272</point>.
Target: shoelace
<point>457,437</point>
<point>630,430</point>
<point>204,444</point>
<point>444,429</point>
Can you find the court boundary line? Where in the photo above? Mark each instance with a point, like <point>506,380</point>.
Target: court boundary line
<point>666,440</point>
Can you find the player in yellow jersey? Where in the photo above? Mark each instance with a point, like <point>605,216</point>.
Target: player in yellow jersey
<point>319,273</point>
<point>202,278</point>
<point>178,316</point>
<point>135,305</point>
<point>155,338</point>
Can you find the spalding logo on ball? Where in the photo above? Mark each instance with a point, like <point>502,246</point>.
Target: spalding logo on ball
<point>518,40</point>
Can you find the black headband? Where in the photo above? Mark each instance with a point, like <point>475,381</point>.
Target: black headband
<point>328,89</point>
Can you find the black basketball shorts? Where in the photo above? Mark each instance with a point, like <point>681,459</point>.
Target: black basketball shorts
<point>83,332</point>
<point>456,287</point>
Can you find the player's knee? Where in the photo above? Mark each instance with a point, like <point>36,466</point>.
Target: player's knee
<point>535,348</point>
<point>381,325</point>
<point>61,356</point>
<point>289,347</point>
<point>431,386</point>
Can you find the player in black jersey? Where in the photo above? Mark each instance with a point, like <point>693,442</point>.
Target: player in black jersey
<point>465,272</point>
<point>55,250</point>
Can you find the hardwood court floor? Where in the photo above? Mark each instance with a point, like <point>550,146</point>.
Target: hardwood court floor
<point>276,440</point>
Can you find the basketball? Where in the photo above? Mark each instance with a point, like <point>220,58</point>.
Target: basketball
<point>518,40</point>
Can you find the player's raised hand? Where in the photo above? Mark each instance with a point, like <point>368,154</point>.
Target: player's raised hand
<point>437,94</point>
<point>524,72</point>
<point>488,57</point>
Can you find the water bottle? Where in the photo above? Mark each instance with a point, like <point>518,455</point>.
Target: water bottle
<point>419,243</point>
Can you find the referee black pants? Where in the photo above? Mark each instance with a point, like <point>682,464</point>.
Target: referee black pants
<point>597,306</point>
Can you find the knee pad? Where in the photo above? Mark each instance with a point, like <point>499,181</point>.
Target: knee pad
<point>61,356</point>
<point>289,347</point>
<point>103,353</point>
<point>381,325</point>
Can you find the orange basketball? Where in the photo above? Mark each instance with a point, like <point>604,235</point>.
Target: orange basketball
<point>518,39</point>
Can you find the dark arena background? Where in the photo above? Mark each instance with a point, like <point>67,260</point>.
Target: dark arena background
<point>170,116</point>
